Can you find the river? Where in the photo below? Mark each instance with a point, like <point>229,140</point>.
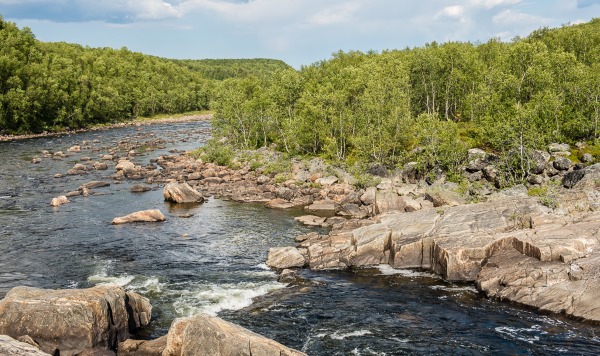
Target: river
<point>210,258</point>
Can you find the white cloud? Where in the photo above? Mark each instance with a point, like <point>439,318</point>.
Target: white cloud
<point>452,11</point>
<point>488,4</point>
<point>153,9</point>
<point>511,17</point>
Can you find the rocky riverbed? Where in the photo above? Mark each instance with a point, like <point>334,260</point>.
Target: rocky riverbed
<point>512,246</point>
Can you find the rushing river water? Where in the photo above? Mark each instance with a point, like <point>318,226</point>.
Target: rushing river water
<point>210,258</point>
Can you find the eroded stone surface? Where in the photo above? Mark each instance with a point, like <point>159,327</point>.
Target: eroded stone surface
<point>72,321</point>
<point>567,288</point>
<point>493,243</point>
<point>285,257</point>
<point>10,347</point>
<point>208,335</point>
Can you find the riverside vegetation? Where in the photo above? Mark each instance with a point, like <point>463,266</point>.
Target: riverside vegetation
<point>428,104</point>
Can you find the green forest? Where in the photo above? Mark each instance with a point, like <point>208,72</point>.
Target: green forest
<point>220,69</point>
<point>428,104</point>
<point>58,86</point>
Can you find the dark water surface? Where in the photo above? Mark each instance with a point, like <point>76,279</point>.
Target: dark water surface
<point>213,262</point>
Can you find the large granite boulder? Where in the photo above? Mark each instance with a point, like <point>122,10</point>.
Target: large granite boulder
<point>74,320</point>
<point>444,197</point>
<point>208,335</point>
<point>285,257</point>
<point>182,193</point>
<point>152,215</point>
<point>388,201</point>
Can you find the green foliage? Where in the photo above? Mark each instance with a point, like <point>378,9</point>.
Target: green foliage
<point>363,179</point>
<point>215,152</point>
<point>440,148</point>
<point>428,104</point>
<point>281,165</point>
<point>56,86</point>
<point>221,69</point>
<point>547,194</point>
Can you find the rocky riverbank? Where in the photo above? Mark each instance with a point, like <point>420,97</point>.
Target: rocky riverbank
<point>513,248</point>
<point>512,245</point>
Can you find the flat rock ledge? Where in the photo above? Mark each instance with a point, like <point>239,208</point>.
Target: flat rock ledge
<point>152,215</point>
<point>513,248</point>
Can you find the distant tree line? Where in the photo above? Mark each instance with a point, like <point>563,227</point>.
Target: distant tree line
<point>221,69</point>
<point>54,86</point>
<point>427,104</point>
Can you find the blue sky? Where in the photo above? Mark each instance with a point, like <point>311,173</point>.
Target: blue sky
<point>299,32</point>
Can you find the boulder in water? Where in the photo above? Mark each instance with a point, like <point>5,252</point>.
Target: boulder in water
<point>140,216</point>
<point>58,201</point>
<point>125,166</point>
<point>182,193</point>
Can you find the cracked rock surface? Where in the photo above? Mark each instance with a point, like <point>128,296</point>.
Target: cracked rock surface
<point>513,248</point>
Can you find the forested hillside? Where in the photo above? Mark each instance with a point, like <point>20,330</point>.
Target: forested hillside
<point>427,104</point>
<point>54,86</point>
<point>220,69</point>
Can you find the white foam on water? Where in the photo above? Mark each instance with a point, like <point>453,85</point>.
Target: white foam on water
<point>140,284</point>
<point>212,298</point>
<point>357,352</point>
<point>341,336</point>
<point>103,279</point>
<point>469,289</point>
<point>522,334</point>
<point>147,285</point>
<point>72,285</point>
<point>263,266</point>
<point>388,270</point>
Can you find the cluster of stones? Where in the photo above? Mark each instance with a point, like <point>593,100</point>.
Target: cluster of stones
<point>543,166</point>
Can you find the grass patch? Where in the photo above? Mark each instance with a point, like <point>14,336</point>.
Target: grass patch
<point>281,165</point>
<point>214,152</point>
<point>547,195</point>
